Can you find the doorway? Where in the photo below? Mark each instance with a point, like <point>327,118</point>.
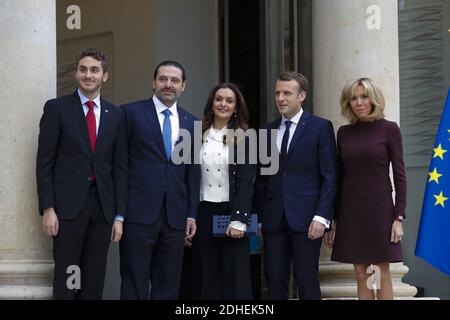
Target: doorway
<point>240,50</point>
<point>258,40</point>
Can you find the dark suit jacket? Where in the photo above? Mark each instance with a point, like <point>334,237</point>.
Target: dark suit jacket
<point>65,161</point>
<point>152,176</point>
<point>305,184</point>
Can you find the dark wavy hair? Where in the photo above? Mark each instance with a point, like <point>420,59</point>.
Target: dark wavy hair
<point>238,121</point>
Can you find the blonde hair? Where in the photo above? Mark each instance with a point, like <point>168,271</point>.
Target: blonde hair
<point>372,91</point>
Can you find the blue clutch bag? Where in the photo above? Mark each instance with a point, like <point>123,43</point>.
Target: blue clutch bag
<point>221,222</point>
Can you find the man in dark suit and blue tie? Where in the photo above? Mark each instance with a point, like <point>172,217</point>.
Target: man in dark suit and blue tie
<point>81,180</point>
<point>295,204</point>
<point>163,196</point>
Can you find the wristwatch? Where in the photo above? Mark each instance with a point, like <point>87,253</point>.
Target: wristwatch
<point>399,218</point>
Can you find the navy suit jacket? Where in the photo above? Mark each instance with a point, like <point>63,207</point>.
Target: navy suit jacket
<point>305,184</point>
<point>65,161</point>
<point>151,176</point>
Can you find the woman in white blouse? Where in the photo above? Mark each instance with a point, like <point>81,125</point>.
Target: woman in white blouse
<point>222,264</point>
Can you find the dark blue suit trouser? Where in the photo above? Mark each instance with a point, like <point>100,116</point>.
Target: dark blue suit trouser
<point>282,247</point>
<point>151,255</point>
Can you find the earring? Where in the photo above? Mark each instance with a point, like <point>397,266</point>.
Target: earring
<point>235,114</point>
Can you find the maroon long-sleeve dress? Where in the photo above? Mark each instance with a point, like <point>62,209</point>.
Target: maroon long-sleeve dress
<point>364,208</point>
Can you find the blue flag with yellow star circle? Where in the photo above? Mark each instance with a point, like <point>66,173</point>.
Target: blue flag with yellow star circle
<point>433,239</point>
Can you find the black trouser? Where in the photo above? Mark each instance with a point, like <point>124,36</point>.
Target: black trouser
<point>221,266</point>
<point>82,243</point>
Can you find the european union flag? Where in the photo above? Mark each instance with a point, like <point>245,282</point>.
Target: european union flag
<point>433,240</point>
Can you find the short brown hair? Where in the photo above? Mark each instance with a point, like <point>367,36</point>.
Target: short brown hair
<point>96,54</point>
<point>303,84</point>
<point>372,91</point>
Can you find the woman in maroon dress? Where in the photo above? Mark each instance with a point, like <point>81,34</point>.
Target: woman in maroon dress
<point>367,230</point>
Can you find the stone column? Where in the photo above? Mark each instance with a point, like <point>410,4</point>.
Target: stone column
<point>352,39</point>
<point>28,79</point>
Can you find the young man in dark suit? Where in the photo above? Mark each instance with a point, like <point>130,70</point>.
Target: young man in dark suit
<point>295,204</point>
<point>163,196</point>
<point>81,180</point>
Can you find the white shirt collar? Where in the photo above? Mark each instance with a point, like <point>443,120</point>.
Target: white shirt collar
<point>217,134</point>
<point>84,99</point>
<point>295,119</point>
<point>160,107</point>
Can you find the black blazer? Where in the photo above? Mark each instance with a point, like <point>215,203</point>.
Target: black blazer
<point>65,161</point>
<point>241,178</point>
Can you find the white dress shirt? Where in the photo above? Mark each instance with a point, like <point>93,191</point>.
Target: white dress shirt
<point>97,107</point>
<point>174,118</point>
<point>282,128</point>
<point>215,185</point>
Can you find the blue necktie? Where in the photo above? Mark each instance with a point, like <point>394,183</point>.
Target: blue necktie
<point>167,133</point>
<point>284,142</point>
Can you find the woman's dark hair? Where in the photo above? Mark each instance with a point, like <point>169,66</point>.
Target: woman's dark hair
<point>238,121</point>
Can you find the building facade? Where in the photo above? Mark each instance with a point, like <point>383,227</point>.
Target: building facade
<point>404,45</point>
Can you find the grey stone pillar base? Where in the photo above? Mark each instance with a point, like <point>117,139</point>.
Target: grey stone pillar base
<point>26,279</point>
<point>338,281</point>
